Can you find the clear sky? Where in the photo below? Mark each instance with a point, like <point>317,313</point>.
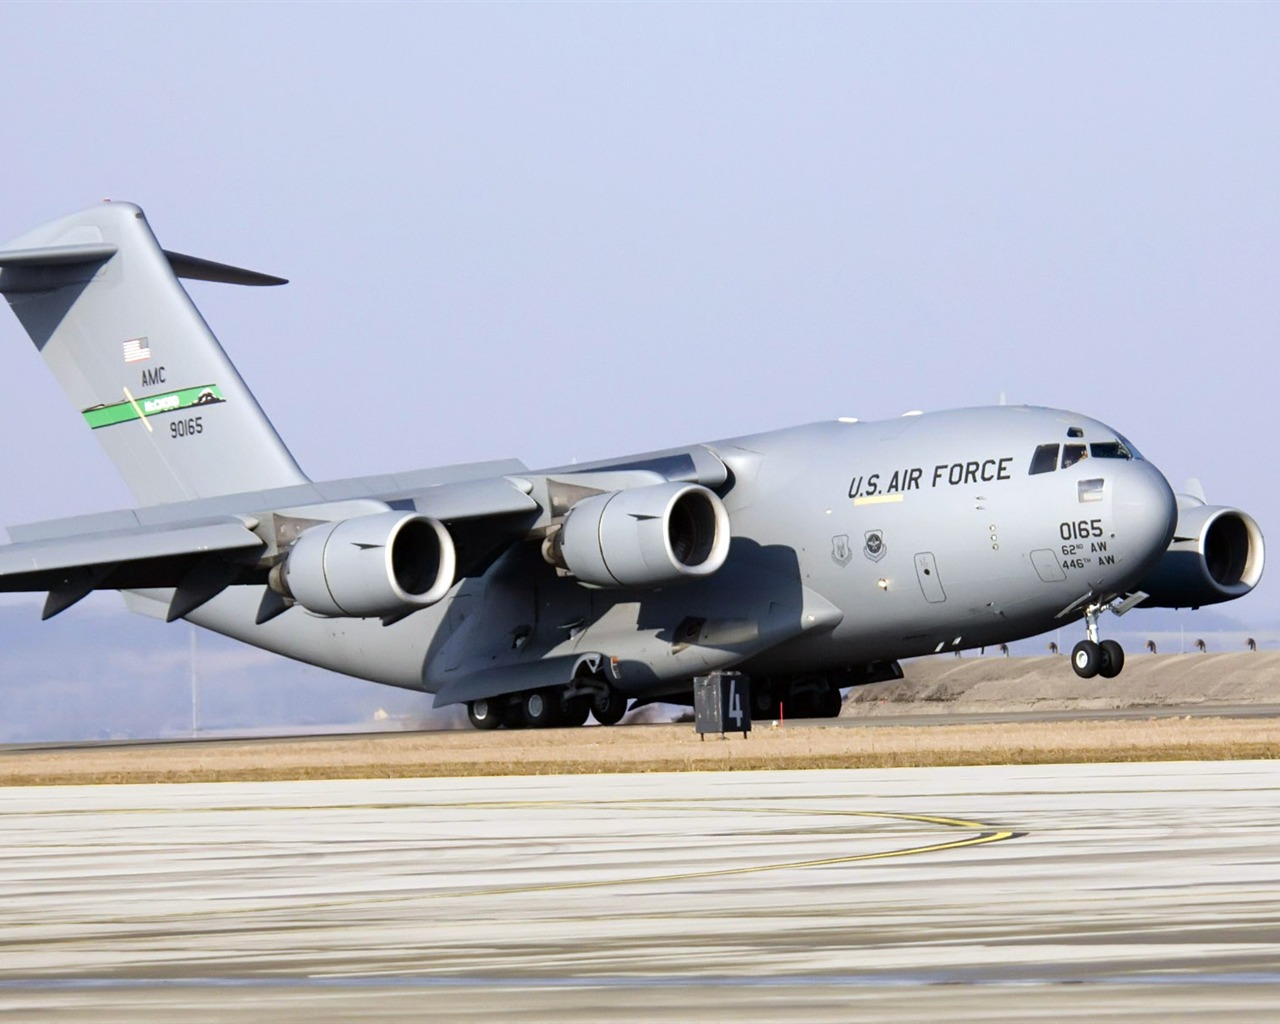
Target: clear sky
<point>559,231</point>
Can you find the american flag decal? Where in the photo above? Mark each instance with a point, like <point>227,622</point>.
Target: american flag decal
<point>136,350</point>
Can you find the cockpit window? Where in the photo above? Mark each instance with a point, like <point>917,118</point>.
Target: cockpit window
<point>1109,450</point>
<point>1130,447</point>
<point>1075,432</point>
<point>1073,453</point>
<point>1045,459</point>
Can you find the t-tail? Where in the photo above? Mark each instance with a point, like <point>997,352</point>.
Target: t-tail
<point>102,302</point>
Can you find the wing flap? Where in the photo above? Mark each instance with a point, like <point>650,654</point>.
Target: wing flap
<point>70,567</point>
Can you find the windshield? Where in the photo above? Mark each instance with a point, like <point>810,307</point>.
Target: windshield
<point>1045,459</point>
<point>1109,450</point>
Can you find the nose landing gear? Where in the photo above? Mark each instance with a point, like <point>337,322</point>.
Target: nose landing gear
<point>1090,658</point>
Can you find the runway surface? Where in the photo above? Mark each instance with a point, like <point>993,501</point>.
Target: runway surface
<point>1143,892</point>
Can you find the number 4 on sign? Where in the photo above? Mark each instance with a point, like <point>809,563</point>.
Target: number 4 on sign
<point>735,704</point>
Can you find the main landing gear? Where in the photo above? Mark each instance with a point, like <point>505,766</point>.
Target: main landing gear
<point>549,708</point>
<point>485,714</point>
<point>1090,657</point>
<point>812,696</point>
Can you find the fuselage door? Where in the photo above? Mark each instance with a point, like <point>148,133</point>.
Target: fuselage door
<point>1047,566</point>
<point>930,581</point>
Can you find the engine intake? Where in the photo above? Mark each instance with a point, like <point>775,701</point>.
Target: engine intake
<point>372,565</point>
<point>1216,555</point>
<point>643,537</point>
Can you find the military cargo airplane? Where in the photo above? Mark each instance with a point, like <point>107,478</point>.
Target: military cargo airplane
<point>812,558</point>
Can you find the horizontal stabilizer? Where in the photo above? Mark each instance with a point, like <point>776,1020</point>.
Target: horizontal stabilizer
<point>191,267</point>
<point>57,255</point>
<point>195,269</point>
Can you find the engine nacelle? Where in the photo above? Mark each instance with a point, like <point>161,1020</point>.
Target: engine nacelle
<point>1216,555</point>
<point>643,537</point>
<point>372,565</point>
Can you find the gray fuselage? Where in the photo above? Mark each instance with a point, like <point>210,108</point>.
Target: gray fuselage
<point>852,543</point>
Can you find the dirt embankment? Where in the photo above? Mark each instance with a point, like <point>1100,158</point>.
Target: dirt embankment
<point>1001,685</point>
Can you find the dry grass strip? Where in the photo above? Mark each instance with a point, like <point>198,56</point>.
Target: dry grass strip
<point>655,748</point>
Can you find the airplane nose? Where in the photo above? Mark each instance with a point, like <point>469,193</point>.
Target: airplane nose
<point>1145,514</point>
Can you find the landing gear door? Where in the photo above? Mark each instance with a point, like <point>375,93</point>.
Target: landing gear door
<point>930,581</point>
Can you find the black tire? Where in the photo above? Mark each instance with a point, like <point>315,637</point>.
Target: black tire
<point>762,703</point>
<point>485,714</point>
<point>541,708</point>
<point>801,703</point>
<point>1112,659</point>
<point>575,712</point>
<point>1086,659</point>
<point>829,703</point>
<point>609,707</point>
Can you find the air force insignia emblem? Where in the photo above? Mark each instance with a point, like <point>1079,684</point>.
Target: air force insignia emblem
<point>841,550</point>
<point>873,545</point>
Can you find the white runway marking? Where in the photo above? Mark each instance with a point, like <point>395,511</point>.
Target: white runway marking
<point>1130,891</point>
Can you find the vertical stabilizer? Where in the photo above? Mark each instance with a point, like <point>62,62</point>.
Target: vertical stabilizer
<point>102,302</point>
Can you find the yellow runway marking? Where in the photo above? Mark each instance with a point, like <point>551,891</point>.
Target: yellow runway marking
<point>986,834</point>
<point>982,839</point>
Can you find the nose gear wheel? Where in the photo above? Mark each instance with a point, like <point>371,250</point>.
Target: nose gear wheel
<point>1090,657</point>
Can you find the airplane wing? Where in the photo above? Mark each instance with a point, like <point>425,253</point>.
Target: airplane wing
<point>69,568</point>
<point>198,548</point>
<point>201,547</point>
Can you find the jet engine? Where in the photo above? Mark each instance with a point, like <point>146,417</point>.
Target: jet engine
<point>644,537</point>
<point>373,565</point>
<point>1216,555</point>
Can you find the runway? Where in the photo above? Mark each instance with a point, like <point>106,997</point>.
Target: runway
<point>1118,892</point>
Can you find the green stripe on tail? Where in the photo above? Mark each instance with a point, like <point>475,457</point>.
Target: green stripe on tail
<point>152,405</point>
